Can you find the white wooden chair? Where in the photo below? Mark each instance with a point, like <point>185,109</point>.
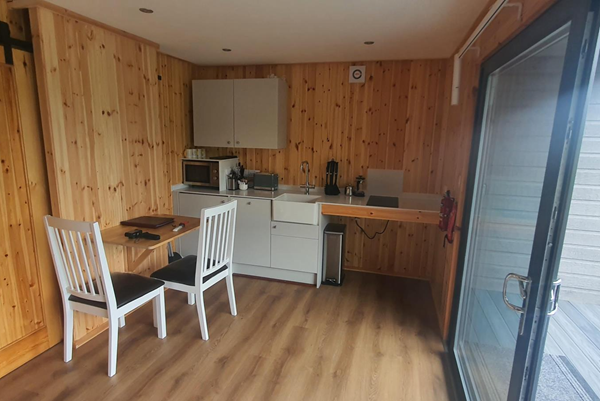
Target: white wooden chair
<point>195,274</point>
<point>87,285</point>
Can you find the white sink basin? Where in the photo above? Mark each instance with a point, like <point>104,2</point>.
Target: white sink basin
<point>296,208</point>
<point>297,198</point>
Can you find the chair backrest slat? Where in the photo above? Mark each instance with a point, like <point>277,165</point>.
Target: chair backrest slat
<point>223,236</point>
<point>215,246</point>
<point>82,269</point>
<point>207,243</point>
<point>219,238</point>
<point>93,257</point>
<point>65,251</point>
<point>89,274</point>
<point>78,264</point>
<point>213,240</point>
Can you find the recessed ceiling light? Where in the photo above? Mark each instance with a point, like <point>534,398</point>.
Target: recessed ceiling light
<point>226,50</point>
<point>146,10</point>
<point>369,42</point>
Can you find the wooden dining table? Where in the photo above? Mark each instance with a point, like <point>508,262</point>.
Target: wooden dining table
<point>116,236</point>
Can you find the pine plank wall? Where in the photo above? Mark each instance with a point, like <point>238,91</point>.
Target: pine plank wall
<point>114,134</point>
<point>393,121</point>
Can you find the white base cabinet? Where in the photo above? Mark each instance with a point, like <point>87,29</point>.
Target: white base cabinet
<point>252,244</point>
<point>298,254</point>
<point>294,246</point>
<point>264,248</point>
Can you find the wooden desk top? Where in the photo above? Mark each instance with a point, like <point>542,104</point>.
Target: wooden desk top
<point>412,207</point>
<point>382,213</point>
<point>116,235</point>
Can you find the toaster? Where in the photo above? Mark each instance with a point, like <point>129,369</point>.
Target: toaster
<point>266,181</point>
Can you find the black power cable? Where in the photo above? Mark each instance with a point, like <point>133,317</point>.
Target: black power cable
<point>374,235</point>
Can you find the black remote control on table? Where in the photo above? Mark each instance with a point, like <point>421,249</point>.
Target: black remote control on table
<point>151,236</point>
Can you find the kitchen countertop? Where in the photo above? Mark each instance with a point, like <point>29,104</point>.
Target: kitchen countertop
<point>250,193</point>
<point>412,207</point>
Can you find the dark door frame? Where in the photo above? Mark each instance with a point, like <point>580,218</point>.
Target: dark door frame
<point>559,169</point>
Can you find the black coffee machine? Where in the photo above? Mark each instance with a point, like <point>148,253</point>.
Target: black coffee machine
<point>331,176</point>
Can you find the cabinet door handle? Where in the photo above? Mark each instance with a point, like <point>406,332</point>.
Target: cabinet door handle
<point>274,226</point>
<point>228,142</point>
<point>222,201</point>
<point>249,203</point>
<point>238,142</point>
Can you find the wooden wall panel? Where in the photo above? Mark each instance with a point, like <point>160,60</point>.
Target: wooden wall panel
<point>394,121</point>
<point>21,306</point>
<point>175,98</point>
<point>31,309</point>
<point>104,147</point>
<point>37,182</point>
<point>391,121</point>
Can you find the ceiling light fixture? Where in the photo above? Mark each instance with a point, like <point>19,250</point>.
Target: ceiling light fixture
<point>226,50</point>
<point>146,10</point>
<point>369,42</point>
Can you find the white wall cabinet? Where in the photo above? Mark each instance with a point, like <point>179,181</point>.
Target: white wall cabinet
<point>242,113</point>
<point>191,205</point>
<point>213,112</point>
<point>252,244</point>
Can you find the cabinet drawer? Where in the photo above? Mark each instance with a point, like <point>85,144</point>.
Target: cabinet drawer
<point>294,230</point>
<point>292,253</point>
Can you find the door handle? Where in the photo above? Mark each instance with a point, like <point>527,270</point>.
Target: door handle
<point>524,286</point>
<point>554,297</point>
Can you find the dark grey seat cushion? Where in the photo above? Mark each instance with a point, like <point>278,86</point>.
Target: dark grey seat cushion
<point>128,287</point>
<point>183,271</point>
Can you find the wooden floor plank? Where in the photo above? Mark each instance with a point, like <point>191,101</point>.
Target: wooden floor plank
<point>582,323</point>
<point>374,338</point>
<point>577,349</point>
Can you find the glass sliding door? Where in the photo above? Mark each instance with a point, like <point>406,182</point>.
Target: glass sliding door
<point>524,119</point>
<point>515,143</point>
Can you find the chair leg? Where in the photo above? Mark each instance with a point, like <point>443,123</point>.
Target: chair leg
<point>68,335</point>
<point>113,343</point>
<point>155,311</point>
<point>122,321</point>
<point>159,312</point>
<point>202,315</point>
<point>191,298</point>
<point>231,293</point>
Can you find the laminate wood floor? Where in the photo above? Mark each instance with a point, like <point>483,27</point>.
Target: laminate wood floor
<point>375,338</point>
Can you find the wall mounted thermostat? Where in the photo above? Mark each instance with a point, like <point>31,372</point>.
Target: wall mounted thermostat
<point>357,74</point>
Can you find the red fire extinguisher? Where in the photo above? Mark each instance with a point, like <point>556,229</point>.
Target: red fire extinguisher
<point>447,222</point>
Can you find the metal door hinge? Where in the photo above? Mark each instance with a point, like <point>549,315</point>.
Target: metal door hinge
<point>554,295</point>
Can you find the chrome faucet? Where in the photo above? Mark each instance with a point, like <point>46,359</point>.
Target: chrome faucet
<point>306,170</point>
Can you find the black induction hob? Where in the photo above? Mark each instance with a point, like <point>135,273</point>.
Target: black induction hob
<point>383,201</point>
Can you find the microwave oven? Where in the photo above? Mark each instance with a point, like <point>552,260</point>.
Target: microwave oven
<point>208,173</point>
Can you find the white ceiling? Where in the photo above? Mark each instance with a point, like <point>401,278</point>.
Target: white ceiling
<point>291,31</point>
